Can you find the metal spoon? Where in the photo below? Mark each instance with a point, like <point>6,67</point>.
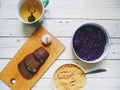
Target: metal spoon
<point>95,71</point>
<point>31,18</point>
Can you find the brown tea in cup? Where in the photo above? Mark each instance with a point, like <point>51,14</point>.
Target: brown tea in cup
<point>31,7</point>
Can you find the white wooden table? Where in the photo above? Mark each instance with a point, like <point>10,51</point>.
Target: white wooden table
<point>62,18</point>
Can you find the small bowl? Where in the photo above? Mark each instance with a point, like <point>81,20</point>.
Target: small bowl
<point>69,76</point>
<point>91,43</point>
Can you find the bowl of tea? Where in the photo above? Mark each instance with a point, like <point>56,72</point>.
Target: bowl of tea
<point>91,43</point>
<point>31,11</point>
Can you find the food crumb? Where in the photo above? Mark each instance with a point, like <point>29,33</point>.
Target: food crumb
<point>69,77</point>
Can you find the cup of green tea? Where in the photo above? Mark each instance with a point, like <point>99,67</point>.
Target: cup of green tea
<point>31,11</point>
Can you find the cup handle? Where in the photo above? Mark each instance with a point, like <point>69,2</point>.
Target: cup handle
<point>45,2</point>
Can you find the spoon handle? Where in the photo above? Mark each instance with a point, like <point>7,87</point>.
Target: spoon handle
<point>96,71</point>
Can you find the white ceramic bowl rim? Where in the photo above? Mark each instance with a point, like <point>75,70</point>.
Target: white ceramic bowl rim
<point>107,46</point>
<point>20,18</point>
<point>69,64</point>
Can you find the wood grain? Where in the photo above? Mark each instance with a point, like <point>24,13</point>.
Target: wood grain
<point>98,9</point>
<point>92,84</point>
<point>57,27</point>
<point>11,70</point>
<point>9,46</point>
<point>62,18</point>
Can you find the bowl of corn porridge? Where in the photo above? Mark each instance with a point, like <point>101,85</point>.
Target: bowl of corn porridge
<point>69,77</point>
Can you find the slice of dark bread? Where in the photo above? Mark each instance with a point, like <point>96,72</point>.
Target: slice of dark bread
<point>41,54</point>
<point>32,62</point>
<point>25,73</point>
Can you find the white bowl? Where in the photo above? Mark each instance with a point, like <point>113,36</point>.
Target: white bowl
<point>76,75</point>
<point>106,47</point>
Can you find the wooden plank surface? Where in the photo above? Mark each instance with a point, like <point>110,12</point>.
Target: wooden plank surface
<point>34,42</point>
<point>62,18</point>
<point>58,27</point>
<point>107,64</point>
<point>92,84</point>
<point>98,9</point>
<point>12,45</point>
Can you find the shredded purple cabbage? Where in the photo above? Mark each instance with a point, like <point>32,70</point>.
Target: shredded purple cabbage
<point>89,42</point>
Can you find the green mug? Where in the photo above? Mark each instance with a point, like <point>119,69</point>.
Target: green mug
<point>27,14</point>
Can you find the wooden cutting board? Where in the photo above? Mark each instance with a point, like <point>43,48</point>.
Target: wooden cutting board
<point>11,72</point>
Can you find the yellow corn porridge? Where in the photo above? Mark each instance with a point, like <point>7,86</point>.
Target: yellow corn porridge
<point>69,77</point>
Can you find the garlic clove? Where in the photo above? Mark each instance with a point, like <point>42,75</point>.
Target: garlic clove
<point>46,39</point>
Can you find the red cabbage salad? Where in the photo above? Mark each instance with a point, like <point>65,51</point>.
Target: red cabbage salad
<point>89,42</point>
